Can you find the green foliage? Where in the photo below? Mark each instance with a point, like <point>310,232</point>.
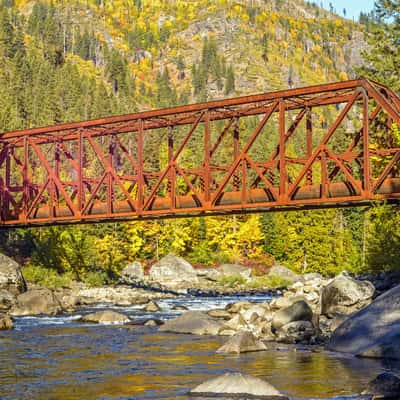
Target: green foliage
<point>94,279</point>
<point>382,57</point>
<point>46,277</point>
<point>269,282</point>
<point>232,281</point>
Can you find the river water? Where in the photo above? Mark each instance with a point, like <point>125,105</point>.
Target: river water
<point>62,359</point>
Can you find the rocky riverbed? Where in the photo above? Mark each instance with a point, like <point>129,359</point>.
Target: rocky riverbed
<point>312,312</point>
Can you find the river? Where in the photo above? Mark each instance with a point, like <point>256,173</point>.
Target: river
<point>60,358</point>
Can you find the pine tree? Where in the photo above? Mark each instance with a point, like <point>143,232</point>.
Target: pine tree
<point>382,58</point>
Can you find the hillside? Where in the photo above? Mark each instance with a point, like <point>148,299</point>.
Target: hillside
<point>174,51</point>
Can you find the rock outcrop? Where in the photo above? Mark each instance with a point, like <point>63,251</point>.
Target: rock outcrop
<point>237,384</point>
<point>11,278</point>
<point>370,330</point>
<point>345,295</point>
<point>36,302</point>
<point>194,322</point>
<point>133,273</point>
<point>7,300</point>
<point>173,272</point>
<point>235,270</point>
<point>284,273</point>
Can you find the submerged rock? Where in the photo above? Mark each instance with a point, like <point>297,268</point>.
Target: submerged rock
<point>236,384</point>
<point>6,322</point>
<point>242,342</point>
<point>36,302</point>
<point>296,332</point>
<point>373,327</point>
<point>299,311</point>
<point>345,295</point>
<point>11,278</point>
<point>106,317</point>
<point>194,322</point>
<point>152,306</point>
<point>384,386</point>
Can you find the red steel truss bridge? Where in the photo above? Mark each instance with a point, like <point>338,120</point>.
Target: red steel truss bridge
<point>329,145</point>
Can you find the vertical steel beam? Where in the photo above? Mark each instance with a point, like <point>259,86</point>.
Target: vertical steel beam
<point>367,171</point>
<point>25,180</point>
<point>140,168</point>
<point>207,159</point>
<point>236,152</point>
<point>79,183</point>
<point>309,143</point>
<point>172,170</point>
<point>282,161</point>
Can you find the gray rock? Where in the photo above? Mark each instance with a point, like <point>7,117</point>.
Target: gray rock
<point>235,269</point>
<point>296,332</point>
<point>388,349</point>
<point>106,317</point>
<point>173,271</point>
<point>36,302</point>
<point>11,278</point>
<point>237,384</point>
<point>299,311</point>
<point>236,323</point>
<point>222,314</point>
<point>211,274</point>
<point>345,295</point>
<point>152,306</point>
<point>284,273</point>
<point>5,322</point>
<point>133,273</point>
<point>237,307</point>
<point>242,342</point>
<point>374,325</point>
<point>7,300</point>
<point>194,322</point>
<point>384,386</point>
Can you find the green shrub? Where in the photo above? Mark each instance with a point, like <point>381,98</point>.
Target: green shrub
<point>93,279</point>
<point>232,280</point>
<point>46,277</point>
<point>269,282</point>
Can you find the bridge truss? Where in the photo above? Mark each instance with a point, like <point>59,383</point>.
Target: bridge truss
<point>329,145</point>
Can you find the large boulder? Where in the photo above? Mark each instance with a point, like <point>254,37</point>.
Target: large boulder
<point>106,317</point>
<point>5,322</point>
<point>299,311</point>
<point>133,273</point>
<point>242,342</point>
<point>7,300</point>
<point>36,302</point>
<point>345,295</point>
<point>235,270</point>
<point>385,386</point>
<point>11,278</point>
<point>374,326</point>
<point>173,271</point>
<point>284,273</point>
<point>195,322</point>
<point>237,384</point>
